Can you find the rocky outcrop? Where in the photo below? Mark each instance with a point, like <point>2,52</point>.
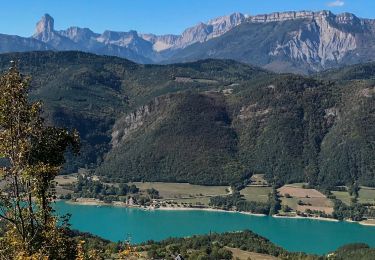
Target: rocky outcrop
<point>44,27</point>
<point>161,42</point>
<point>131,122</point>
<point>286,16</point>
<point>46,33</point>
<point>79,35</point>
<point>214,28</point>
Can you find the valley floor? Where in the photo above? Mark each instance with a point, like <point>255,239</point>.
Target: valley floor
<point>183,196</point>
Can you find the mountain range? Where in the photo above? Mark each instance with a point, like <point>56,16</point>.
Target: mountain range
<point>301,42</point>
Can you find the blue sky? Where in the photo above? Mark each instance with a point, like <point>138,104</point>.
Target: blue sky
<point>156,16</point>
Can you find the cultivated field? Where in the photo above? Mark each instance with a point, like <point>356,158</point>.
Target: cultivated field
<point>300,192</point>
<point>253,193</point>
<point>66,179</point>
<point>63,180</point>
<point>311,198</point>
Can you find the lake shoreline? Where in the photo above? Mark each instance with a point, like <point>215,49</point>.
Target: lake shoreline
<point>113,222</point>
<point>98,203</point>
<point>302,217</point>
<point>208,209</point>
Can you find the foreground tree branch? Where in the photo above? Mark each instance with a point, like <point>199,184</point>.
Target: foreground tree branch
<point>31,155</point>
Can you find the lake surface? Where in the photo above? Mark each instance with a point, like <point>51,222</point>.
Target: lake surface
<point>311,236</point>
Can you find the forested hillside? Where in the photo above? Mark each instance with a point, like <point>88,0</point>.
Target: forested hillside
<point>208,122</point>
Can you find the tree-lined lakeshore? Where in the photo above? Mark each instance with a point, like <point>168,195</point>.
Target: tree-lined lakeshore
<point>257,198</point>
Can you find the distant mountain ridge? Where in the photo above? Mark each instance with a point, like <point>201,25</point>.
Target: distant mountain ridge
<point>292,42</point>
<point>143,48</point>
<point>297,41</point>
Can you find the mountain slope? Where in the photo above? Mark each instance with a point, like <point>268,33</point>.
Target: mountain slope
<point>13,43</point>
<point>208,122</point>
<point>177,141</point>
<point>90,92</point>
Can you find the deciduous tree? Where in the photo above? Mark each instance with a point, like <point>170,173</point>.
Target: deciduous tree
<point>31,155</point>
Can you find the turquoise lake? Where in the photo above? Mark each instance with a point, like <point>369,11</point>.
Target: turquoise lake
<point>311,236</point>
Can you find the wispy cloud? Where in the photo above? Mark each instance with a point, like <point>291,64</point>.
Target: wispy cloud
<point>337,3</point>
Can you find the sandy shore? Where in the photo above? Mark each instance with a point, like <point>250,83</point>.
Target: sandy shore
<point>369,222</point>
<point>313,218</point>
<point>208,209</point>
<point>96,202</point>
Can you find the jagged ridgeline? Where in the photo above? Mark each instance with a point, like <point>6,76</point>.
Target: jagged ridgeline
<point>295,41</point>
<point>208,122</point>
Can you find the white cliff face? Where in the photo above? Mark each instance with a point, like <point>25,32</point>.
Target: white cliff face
<point>44,28</point>
<point>162,42</point>
<point>131,122</point>
<point>319,41</point>
<point>46,24</point>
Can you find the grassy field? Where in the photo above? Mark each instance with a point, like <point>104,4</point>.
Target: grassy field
<point>194,201</point>
<point>343,196</point>
<point>366,195</point>
<point>182,190</point>
<point>256,193</point>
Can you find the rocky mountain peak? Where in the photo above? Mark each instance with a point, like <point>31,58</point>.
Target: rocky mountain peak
<point>230,20</point>
<point>45,25</point>
<point>213,28</point>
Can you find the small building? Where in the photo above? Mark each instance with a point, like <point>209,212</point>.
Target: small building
<point>130,201</point>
